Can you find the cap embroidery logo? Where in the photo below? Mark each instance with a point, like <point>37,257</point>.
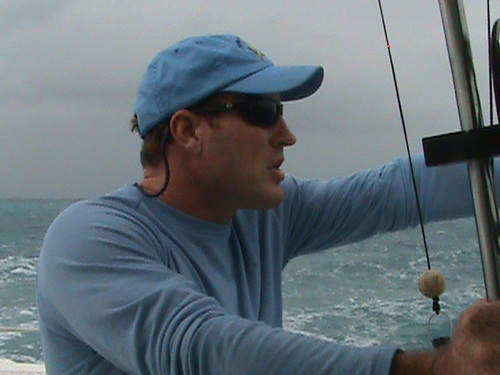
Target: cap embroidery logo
<point>256,51</point>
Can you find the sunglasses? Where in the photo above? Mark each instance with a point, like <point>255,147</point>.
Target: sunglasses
<point>262,111</point>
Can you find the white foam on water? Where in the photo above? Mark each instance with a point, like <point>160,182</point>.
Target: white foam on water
<point>9,367</point>
<point>24,270</point>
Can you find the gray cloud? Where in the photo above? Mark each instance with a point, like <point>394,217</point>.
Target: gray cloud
<point>27,13</point>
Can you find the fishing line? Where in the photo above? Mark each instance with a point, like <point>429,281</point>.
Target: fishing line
<point>405,133</point>
<point>432,283</point>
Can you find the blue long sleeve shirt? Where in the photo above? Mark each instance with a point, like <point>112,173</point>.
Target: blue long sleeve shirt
<point>129,285</point>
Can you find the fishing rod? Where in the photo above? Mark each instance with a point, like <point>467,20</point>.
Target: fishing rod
<point>495,64</point>
<point>475,144</point>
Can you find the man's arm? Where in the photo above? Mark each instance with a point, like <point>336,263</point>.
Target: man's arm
<point>324,214</point>
<point>102,288</point>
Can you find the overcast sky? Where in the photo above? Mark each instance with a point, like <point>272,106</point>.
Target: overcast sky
<point>69,71</point>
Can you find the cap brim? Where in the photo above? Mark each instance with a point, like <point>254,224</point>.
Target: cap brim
<point>291,82</point>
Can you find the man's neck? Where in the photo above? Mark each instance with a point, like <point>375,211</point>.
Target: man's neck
<point>189,198</point>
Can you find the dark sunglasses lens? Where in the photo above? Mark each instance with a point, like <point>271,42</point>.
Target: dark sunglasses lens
<point>264,112</point>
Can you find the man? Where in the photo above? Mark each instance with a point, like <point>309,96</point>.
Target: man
<point>181,273</point>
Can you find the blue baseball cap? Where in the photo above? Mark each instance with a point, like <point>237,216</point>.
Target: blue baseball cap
<point>195,68</point>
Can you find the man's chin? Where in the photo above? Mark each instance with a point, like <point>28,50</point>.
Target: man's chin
<point>272,200</point>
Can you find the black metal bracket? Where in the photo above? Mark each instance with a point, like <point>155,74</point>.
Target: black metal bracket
<point>462,146</point>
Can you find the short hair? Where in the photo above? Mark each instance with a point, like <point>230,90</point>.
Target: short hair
<point>152,143</point>
<point>151,150</point>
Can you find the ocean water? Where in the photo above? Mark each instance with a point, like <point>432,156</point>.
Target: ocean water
<point>361,294</point>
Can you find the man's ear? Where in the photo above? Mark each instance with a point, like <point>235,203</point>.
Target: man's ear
<point>184,129</point>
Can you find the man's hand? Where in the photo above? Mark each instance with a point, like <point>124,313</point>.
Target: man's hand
<point>474,348</point>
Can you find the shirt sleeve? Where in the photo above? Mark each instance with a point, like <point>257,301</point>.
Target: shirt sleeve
<point>111,291</point>
<point>323,214</point>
